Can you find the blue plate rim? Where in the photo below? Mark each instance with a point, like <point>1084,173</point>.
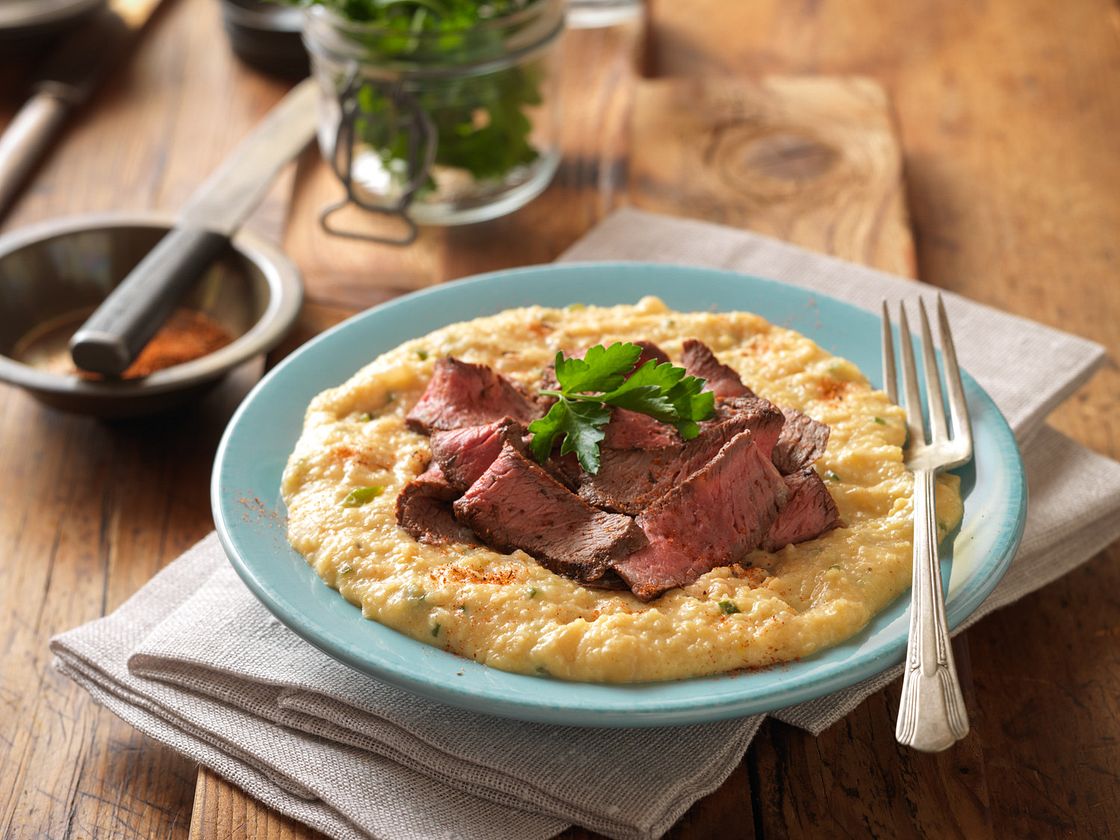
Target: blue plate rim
<point>635,713</point>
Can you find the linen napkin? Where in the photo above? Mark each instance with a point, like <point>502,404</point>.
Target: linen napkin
<point>195,661</point>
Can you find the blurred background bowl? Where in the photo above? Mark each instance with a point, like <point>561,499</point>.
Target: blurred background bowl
<point>26,25</point>
<point>53,275</point>
<point>266,35</point>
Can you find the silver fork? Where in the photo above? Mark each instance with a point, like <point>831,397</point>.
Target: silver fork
<point>931,715</point>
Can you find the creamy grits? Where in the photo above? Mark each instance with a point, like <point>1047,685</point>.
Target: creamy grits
<point>507,611</point>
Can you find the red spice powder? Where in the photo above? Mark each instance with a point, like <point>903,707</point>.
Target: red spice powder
<point>187,335</point>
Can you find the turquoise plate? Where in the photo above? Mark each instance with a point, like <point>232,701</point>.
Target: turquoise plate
<point>256,445</point>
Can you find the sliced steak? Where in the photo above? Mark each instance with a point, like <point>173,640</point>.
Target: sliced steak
<point>764,419</point>
<point>802,441</point>
<point>462,394</point>
<point>609,580</point>
<point>516,504</point>
<point>699,360</point>
<point>424,510</point>
<point>465,454</point>
<point>651,353</point>
<point>631,430</point>
<point>716,517</point>
<point>565,469</point>
<point>629,481</point>
<point>809,512</point>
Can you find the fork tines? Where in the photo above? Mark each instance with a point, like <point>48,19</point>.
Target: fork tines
<point>958,408</point>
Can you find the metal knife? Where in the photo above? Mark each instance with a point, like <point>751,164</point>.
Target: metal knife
<point>127,319</point>
<point>68,77</point>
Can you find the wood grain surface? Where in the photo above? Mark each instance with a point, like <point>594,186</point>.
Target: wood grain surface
<point>811,160</point>
<point>1008,114</point>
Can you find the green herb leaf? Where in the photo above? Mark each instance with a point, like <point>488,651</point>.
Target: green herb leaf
<point>362,495</point>
<point>728,608</point>
<point>604,379</point>
<point>532,593</point>
<point>831,476</point>
<point>365,417</point>
<point>601,368</point>
<point>880,421</point>
<point>580,427</point>
<point>435,630</point>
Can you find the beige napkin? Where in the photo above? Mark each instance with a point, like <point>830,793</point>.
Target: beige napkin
<point>195,661</point>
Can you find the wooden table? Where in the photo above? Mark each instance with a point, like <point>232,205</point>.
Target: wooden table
<point>1008,114</point>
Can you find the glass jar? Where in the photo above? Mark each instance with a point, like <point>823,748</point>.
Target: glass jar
<point>591,14</point>
<point>439,127</point>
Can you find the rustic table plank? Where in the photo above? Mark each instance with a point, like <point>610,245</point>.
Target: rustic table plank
<point>95,509</point>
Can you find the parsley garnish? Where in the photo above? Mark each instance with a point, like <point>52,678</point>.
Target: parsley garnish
<point>435,630</point>
<point>880,421</point>
<point>362,495</point>
<point>831,476</point>
<point>483,121</point>
<point>594,385</point>
<point>728,608</point>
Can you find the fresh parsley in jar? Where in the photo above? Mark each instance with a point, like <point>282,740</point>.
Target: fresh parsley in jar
<point>441,111</point>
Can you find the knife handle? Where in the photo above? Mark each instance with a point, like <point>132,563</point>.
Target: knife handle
<point>127,319</point>
<point>28,137</point>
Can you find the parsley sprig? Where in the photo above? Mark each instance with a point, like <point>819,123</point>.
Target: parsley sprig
<point>482,120</point>
<point>604,379</point>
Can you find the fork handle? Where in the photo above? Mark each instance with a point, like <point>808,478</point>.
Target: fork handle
<point>932,715</point>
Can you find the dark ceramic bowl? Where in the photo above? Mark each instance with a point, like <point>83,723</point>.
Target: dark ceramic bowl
<point>53,275</point>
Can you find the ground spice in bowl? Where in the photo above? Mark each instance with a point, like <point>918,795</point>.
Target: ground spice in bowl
<point>187,335</point>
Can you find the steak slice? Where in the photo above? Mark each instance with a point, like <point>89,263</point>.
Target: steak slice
<point>516,504</point>
<point>629,481</point>
<point>809,512</point>
<point>699,360</point>
<point>631,430</point>
<point>764,419</point>
<point>651,353</point>
<point>424,510</point>
<point>716,517</point>
<point>802,441</point>
<point>462,394</point>
<point>465,454</point>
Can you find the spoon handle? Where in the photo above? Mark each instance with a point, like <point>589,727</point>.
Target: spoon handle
<point>113,336</point>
